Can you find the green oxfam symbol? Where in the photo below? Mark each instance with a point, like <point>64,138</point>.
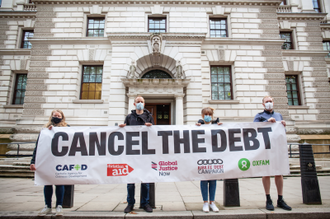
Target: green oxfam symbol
<point>244,164</point>
<point>77,167</point>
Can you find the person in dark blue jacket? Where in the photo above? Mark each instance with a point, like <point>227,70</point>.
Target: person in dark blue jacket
<point>208,186</point>
<point>139,116</point>
<point>56,119</point>
<point>269,115</point>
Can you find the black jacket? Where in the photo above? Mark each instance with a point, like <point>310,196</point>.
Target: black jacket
<point>135,119</point>
<point>201,121</point>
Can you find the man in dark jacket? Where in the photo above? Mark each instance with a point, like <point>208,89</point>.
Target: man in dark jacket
<point>140,116</point>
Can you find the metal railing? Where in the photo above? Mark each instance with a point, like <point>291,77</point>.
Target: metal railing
<point>290,153</point>
<point>18,149</point>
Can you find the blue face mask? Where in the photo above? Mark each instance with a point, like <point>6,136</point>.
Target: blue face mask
<point>207,118</point>
<point>139,106</point>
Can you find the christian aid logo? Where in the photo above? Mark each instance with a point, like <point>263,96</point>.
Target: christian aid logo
<point>118,169</point>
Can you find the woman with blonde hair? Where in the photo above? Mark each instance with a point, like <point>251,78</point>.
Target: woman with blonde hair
<point>56,119</point>
<point>208,187</point>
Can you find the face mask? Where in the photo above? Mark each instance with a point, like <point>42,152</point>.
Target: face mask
<point>56,120</point>
<point>269,106</point>
<point>207,118</point>
<point>139,106</point>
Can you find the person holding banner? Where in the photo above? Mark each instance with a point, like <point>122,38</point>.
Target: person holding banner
<point>208,186</point>
<point>269,115</point>
<point>139,116</point>
<point>56,119</point>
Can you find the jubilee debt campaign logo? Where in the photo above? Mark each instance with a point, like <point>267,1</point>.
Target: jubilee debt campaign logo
<point>210,166</point>
<point>118,169</point>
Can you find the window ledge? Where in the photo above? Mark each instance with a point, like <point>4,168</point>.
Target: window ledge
<point>13,106</point>
<point>298,107</point>
<point>224,101</point>
<point>88,101</point>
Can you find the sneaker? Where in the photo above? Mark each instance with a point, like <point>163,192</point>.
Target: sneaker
<point>283,205</point>
<point>147,208</point>
<point>214,207</point>
<point>206,207</point>
<point>45,211</point>
<point>269,205</point>
<point>59,210</point>
<point>129,208</point>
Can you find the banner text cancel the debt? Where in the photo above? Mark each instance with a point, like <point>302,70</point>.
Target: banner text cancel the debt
<point>85,155</point>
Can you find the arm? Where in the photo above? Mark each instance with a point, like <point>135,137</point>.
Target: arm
<point>33,160</point>
<point>126,122</point>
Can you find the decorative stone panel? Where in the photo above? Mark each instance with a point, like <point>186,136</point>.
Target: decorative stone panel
<point>275,87</point>
<point>274,76</point>
<point>33,93</point>
<point>35,99</point>
<point>273,65</point>
<point>271,82</point>
<point>32,105</point>
<point>280,100</point>
<point>36,87</point>
<point>33,112</point>
<point>37,75</point>
<point>283,112</point>
<point>272,53</point>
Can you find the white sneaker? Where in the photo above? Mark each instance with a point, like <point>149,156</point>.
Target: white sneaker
<point>45,211</point>
<point>206,207</point>
<point>59,210</point>
<point>214,207</point>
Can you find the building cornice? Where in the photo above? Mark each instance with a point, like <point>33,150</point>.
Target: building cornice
<point>74,40</point>
<point>246,41</point>
<point>166,2</point>
<point>15,51</point>
<point>17,14</point>
<point>299,53</point>
<point>147,82</point>
<point>122,36</point>
<point>301,16</point>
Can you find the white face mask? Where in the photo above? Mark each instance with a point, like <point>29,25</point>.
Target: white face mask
<point>269,106</point>
<point>139,106</point>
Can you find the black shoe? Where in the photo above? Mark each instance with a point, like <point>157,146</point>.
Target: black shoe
<point>269,205</point>
<point>147,208</point>
<point>129,208</point>
<point>283,205</point>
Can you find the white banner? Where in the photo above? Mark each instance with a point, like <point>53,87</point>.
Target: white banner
<point>160,153</point>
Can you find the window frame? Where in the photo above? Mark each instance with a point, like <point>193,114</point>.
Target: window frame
<point>95,17</point>
<point>13,102</point>
<point>283,2</point>
<point>318,8</point>
<point>231,83</point>
<point>23,37</point>
<point>160,18</point>
<point>82,81</point>
<point>218,18</point>
<point>291,38</point>
<point>328,47</point>
<point>298,89</point>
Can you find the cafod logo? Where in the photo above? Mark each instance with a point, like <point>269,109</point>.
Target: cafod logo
<point>71,167</point>
<point>244,164</point>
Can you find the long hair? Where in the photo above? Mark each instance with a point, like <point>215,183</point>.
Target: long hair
<point>61,124</point>
<point>208,110</point>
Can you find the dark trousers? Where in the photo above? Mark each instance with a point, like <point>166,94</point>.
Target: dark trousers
<point>144,192</point>
<point>48,193</point>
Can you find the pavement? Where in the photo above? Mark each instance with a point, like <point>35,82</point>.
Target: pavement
<point>20,198</point>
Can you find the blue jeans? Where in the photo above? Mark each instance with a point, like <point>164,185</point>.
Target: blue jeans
<point>208,186</point>
<point>48,193</point>
<point>144,193</point>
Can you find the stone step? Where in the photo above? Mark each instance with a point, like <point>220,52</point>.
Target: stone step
<point>16,171</point>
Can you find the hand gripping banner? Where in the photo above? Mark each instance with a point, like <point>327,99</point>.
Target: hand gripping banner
<point>135,154</point>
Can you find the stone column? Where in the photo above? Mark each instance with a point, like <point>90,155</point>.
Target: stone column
<point>179,109</point>
<point>130,102</point>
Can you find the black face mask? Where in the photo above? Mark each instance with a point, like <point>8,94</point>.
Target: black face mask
<point>56,120</point>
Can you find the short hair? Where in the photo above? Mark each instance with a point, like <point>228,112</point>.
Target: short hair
<point>266,97</point>
<point>138,97</point>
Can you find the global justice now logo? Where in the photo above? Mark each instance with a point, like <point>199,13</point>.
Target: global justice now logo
<point>118,169</point>
<point>165,167</point>
<point>71,167</point>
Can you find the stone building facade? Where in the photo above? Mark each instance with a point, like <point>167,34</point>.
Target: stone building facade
<point>180,55</point>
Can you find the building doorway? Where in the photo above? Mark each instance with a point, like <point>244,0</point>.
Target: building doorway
<point>161,112</point>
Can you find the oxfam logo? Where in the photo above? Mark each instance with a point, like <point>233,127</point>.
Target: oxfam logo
<point>244,164</point>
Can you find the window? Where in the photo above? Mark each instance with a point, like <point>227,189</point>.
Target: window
<point>218,27</point>
<point>91,86</point>
<point>287,36</point>
<point>326,46</point>
<point>283,2</point>
<point>157,25</point>
<point>221,86</point>
<point>19,92</point>
<point>316,5</point>
<point>25,42</point>
<point>156,74</point>
<point>292,90</point>
<point>95,27</point>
